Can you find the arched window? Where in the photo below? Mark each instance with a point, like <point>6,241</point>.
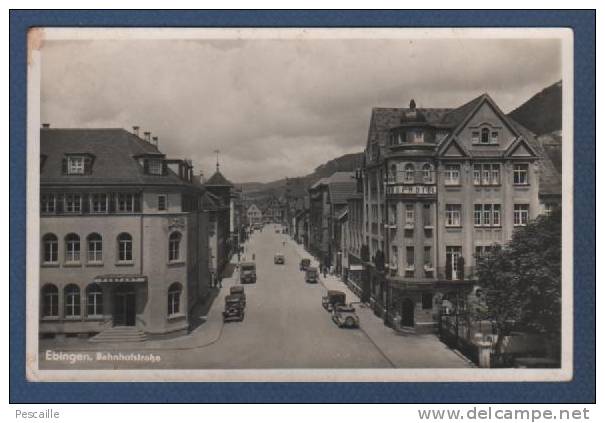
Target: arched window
<point>484,136</point>
<point>72,248</point>
<point>72,301</point>
<point>124,247</point>
<point>50,244</point>
<point>174,246</point>
<point>95,248</point>
<point>409,173</point>
<point>427,173</point>
<point>174,298</point>
<point>50,300</point>
<point>94,300</point>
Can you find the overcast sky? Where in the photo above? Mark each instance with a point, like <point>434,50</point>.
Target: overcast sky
<point>277,108</point>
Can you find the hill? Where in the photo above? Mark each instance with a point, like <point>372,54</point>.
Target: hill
<point>541,114</point>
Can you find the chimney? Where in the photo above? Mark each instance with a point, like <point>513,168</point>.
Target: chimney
<point>154,141</point>
<point>135,130</point>
<point>46,125</point>
<point>412,104</point>
<point>147,136</point>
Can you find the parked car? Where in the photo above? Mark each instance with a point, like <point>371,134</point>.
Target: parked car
<point>247,272</point>
<point>305,264</point>
<point>234,308</point>
<point>279,259</point>
<point>332,298</point>
<point>344,316</point>
<point>238,290</point>
<point>312,275</point>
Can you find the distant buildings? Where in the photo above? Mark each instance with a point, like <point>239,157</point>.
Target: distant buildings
<point>254,215</point>
<point>124,235</point>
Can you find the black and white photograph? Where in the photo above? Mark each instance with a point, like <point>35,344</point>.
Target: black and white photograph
<point>299,204</point>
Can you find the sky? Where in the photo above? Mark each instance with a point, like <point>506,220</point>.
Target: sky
<point>277,108</point>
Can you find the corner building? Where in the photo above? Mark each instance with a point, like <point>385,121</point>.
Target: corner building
<point>440,187</point>
<point>123,242</point>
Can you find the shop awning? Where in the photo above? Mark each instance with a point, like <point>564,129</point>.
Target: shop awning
<point>117,278</point>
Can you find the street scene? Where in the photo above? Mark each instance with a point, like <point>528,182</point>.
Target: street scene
<point>285,326</point>
<point>248,207</point>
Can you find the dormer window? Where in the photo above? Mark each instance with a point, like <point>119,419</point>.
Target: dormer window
<point>485,136</point>
<point>77,164</point>
<point>154,166</point>
<point>494,139</point>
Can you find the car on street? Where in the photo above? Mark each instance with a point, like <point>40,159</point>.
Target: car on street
<point>312,275</point>
<point>247,272</point>
<point>345,316</point>
<point>305,264</point>
<point>333,298</point>
<point>234,309</point>
<point>238,290</point>
<point>279,259</point>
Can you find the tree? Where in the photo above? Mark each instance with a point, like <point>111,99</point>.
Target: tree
<point>521,281</point>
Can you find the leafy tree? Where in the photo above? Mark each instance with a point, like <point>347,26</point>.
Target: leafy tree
<point>521,281</point>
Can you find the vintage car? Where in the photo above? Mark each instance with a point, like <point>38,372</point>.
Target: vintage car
<point>304,264</point>
<point>312,275</point>
<point>238,290</point>
<point>279,259</point>
<point>344,316</point>
<point>247,272</point>
<point>234,308</point>
<point>332,298</point>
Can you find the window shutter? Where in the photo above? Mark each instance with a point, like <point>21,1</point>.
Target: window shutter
<point>460,267</point>
<point>64,166</point>
<point>448,266</point>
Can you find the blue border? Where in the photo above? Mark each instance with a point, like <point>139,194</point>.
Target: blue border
<point>581,389</point>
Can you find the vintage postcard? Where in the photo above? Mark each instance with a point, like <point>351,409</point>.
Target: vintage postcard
<point>300,204</point>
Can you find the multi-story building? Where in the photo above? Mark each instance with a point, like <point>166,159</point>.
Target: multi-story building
<point>254,215</point>
<point>440,187</point>
<point>355,276</point>
<point>328,197</point>
<point>218,203</point>
<point>123,241</point>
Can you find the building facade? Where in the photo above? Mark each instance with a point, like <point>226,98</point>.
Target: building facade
<point>440,187</point>
<point>254,215</point>
<point>123,239</point>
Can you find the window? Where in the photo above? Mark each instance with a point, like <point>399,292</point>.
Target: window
<point>94,300</point>
<point>394,257</point>
<point>51,248</point>
<point>426,215</point>
<point>72,301</point>
<point>427,173</point>
<point>48,203</point>
<point>477,174</point>
<point>98,203</point>
<point>72,248</point>
<point>50,301</point>
<point>453,261</point>
<point>452,214</point>
<point>486,174</point>
<point>125,202</point>
<point>427,301</point>
<point>452,174</point>
<point>75,165</point>
<point>495,174</point>
<point>162,202</point>
<point>475,137</point>
<point>72,203</point>
<point>418,136</point>
<point>154,166</point>
<point>494,139</point>
<point>487,215</point>
<point>409,215</point>
<point>124,247</point>
<point>392,177</point>
<point>478,215</point>
<point>520,214</point>
<point>520,174</point>
<point>95,248</point>
<point>548,208</point>
<point>485,136</point>
<point>428,258</point>
<point>409,174</point>
<point>409,257</point>
<point>174,299</point>
<point>496,215</point>
<point>174,244</point>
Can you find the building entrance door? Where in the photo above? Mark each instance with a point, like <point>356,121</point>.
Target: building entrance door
<point>407,313</point>
<point>452,257</point>
<point>124,309</point>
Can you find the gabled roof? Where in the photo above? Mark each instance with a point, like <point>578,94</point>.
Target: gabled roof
<point>114,150</point>
<point>218,180</point>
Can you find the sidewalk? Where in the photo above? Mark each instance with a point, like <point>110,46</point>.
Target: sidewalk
<point>405,351</point>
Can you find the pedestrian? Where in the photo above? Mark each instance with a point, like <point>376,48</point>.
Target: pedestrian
<point>220,281</point>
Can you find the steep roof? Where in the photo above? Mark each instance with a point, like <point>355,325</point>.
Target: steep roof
<point>340,186</point>
<point>114,152</point>
<point>218,180</point>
